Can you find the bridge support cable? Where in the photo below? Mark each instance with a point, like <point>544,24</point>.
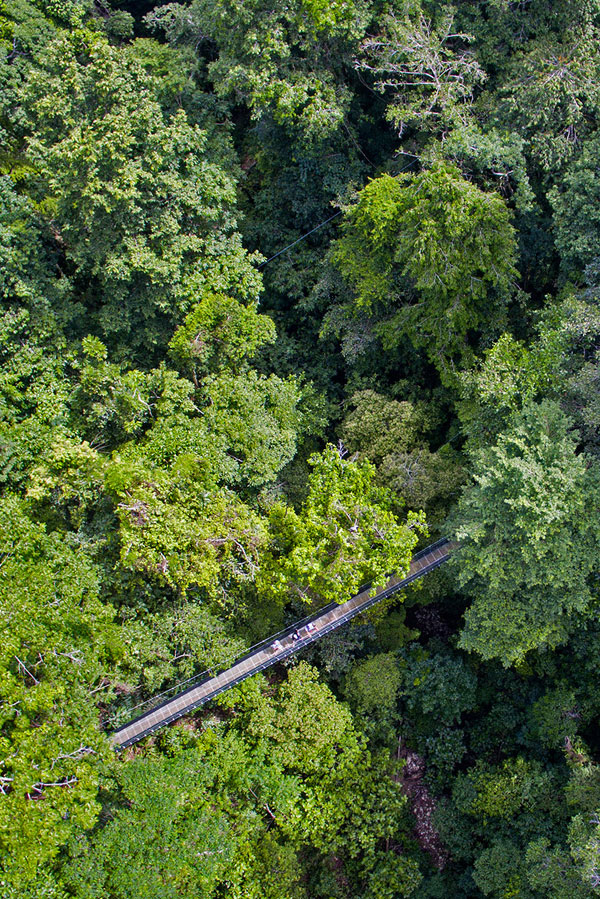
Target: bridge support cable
<point>277,648</point>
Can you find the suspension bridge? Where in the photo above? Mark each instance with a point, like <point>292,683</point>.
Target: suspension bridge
<point>274,649</point>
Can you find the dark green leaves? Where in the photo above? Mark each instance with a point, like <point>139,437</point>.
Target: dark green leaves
<point>432,254</point>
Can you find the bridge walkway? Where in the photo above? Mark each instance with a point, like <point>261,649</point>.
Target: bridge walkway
<point>277,648</point>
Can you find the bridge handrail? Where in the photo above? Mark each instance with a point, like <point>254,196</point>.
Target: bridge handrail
<point>154,702</point>
<point>214,670</point>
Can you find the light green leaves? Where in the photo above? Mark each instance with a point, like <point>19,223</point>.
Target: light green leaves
<point>56,638</point>
<point>173,529</point>
<point>344,536</point>
<point>530,538</point>
<point>425,67</point>
<point>220,333</point>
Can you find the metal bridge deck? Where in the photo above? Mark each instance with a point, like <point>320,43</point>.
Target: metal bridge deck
<point>309,629</point>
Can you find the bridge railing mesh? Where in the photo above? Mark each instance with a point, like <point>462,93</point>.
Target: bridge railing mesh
<point>126,714</point>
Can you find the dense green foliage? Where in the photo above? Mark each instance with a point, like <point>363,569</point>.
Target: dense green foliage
<point>288,290</point>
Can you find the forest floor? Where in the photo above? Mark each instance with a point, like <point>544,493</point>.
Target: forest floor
<point>422,805</point>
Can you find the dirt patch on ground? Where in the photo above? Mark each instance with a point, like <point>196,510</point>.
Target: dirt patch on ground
<point>422,805</point>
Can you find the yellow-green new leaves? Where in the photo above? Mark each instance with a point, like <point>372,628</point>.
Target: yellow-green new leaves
<point>228,814</point>
<point>56,637</point>
<point>242,429</point>
<point>67,12</point>
<point>501,792</point>
<point>344,536</point>
<point>167,838</point>
<point>163,647</point>
<point>179,521</point>
<point>173,529</point>
<point>345,800</point>
<point>220,333</point>
<point>308,730</point>
<point>373,684</point>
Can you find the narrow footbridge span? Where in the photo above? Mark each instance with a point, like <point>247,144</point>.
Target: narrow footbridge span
<point>274,649</point>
